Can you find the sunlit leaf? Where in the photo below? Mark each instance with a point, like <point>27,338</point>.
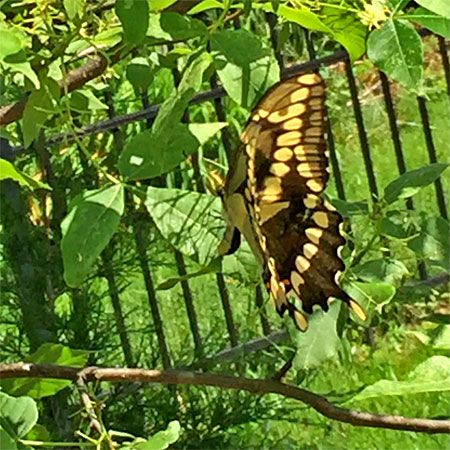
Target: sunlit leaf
<point>433,375</point>
<point>74,8</point>
<point>39,107</point>
<point>7,170</point>
<point>440,7</point>
<point>43,387</point>
<point>18,415</point>
<point>372,296</point>
<point>171,26</point>
<point>189,221</point>
<point>245,65</point>
<point>437,24</point>
<point>320,342</point>
<point>396,48</point>
<point>87,229</point>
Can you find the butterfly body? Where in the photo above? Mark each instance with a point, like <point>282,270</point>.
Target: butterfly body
<point>272,196</point>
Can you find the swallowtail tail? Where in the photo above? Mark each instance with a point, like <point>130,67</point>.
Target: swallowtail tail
<point>272,195</point>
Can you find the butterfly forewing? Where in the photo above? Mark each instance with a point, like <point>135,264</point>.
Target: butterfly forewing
<point>296,232</point>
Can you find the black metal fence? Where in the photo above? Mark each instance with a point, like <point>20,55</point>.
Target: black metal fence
<point>216,95</point>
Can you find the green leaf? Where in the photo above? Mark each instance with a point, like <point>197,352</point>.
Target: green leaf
<point>12,42</point>
<point>301,16</point>
<point>433,375</point>
<point>203,132</point>
<point>442,340</point>
<point>396,48</point>
<point>246,67</point>
<point>163,147</point>
<point>172,109</point>
<point>440,7</point>
<point>159,441</point>
<point>7,442</point>
<point>320,342</point>
<point>7,170</point>
<point>87,229</point>
<point>158,5</point>
<point>162,439</point>
<point>371,296</point>
<point>139,74</point>
<point>205,5</point>
<point>134,17</point>
<point>433,241</point>
<point>17,417</point>
<point>437,24</point>
<point>348,209</point>
<point>84,100</point>
<point>47,353</point>
<point>189,221</point>
<point>40,105</point>
<point>387,269</point>
<point>397,224</point>
<point>347,29</point>
<point>242,265</point>
<point>74,8</point>
<point>147,155</point>
<point>171,26</point>
<point>409,183</point>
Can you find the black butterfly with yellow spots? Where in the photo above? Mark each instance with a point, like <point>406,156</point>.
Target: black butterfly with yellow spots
<point>272,196</point>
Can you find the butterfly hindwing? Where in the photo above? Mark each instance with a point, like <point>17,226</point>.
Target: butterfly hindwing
<point>295,232</point>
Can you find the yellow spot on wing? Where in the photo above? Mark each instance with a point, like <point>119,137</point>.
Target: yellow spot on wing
<point>289,138</point>
<point>296,281</point>
<point>294,110</point>
<point>309,250</point>
<point>272,187</point>
<point>320,218</point>
<point>314,234</point>
<point>358,310</point>
<point>300,320</point>
<point>279,169</point>
<point>283,154</point>
<point>302,263</point>
<point>314,185</point>
<point>311,201</point>
<point>292,124</point>
<point>309,79</point>
<point>269,210</point>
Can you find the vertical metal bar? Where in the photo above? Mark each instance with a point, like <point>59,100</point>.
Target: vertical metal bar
<point>395,135</point>
<point>432,154</point>
<point>260,304</point>
<point>272,21</point>
<point>445,61</point>
<point>150,288</point>
<point>361,129</point>
<point>190,309</point>
<point>329,132</point>
<point>224,297</point>
<point>142,252</point>
<point>113,291</point>
<point>221,285</point>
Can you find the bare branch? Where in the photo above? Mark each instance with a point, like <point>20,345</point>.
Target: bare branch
<point>254,386</point>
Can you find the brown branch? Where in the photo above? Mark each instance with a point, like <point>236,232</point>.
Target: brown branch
<point>254,386</point>
<point>74,79</point>
<point>80,76</point>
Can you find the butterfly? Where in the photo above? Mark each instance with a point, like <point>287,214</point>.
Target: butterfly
<point>272,196</point>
